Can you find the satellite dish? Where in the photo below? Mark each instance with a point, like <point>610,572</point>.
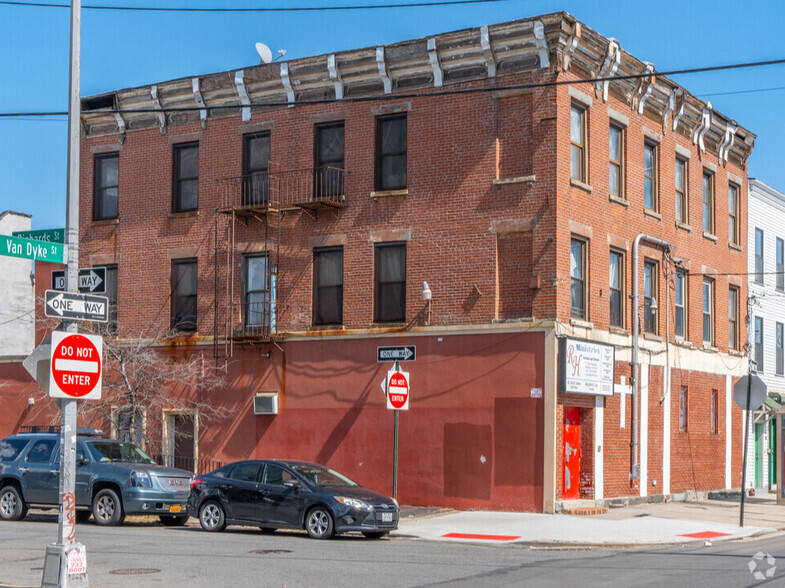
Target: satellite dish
<point>264,52</point>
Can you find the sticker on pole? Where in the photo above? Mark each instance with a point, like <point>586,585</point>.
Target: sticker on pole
<point>75,366</point>
<point>398,390</point>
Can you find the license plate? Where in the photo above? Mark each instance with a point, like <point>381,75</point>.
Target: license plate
<point>175,508</point>
<point>387,517</point>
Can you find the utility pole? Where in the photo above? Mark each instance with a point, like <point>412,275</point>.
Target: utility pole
<point>65,565</point>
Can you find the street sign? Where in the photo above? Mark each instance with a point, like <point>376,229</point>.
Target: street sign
<point>91,279</point>
<point>32,249</point>
<point>80,307</point>
<point>75,366</point>
<point>48,235</point>
<point>396,353</point>
<point>757,392</point>
<point>398,390</point>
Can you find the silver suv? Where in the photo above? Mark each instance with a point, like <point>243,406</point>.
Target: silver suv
<point>113,479</point>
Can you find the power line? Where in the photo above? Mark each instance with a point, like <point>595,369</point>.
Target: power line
<point>675,72</point>
<point>268,9</point>
<point>754,91</point>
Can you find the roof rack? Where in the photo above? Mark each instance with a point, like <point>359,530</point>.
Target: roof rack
<point>82,431</point>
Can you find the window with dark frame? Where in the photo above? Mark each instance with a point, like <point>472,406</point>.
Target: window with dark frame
<point>328,286</point>
<point>183,284</point>
<point>680,300</point>
<point>616,161</point>
<point>708,202</point>
<point>714,410</point>
<point>708,311</point>
<point>578,163</point>
<point>758,340</point>
<point>328,159</point>
<point>780,254</point>
<point>759,256</point>
<point>650,198</point>
<point>256,169</point>
<point>111,295</point>
<point>733,317</point>
<point>106,180</point>
<point>256,298</point>
<point>616,271</point>
<point>649,296</point>
<point>185,184</point>
<point>391,149</point>
<point>389,282</point>
<point>779,359</point>
<point>683,408</point>
<point>681,190</point>
<point>733,214</point>
<point>578,279</point>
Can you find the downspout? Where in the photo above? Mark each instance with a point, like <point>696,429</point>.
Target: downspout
<point>635,472</point>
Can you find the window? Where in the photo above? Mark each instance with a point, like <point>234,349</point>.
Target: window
<point>186,177</point>
<point>733,317</point>
<point>256,298</point>
<point>105,185</point>
<point>733,214</point>
<point>708,309</point>
<point>759,256</point>
<point>779,359</point>
<point>681,190</point>
<point>256,168</point>
<point>680,315</point>
<point>111,295</point>
<point>780,265</point>
<point>184,294</point>
<point>758,344</point>
<point>708,203</point>
<point>578,279</point>
<point>275,475</point>
<point>683,407</point>
<point>390,282</point>
<point>714,405</point>
<point>650,199</point>
<point>617,289</point>
<point>245,472</point>
<point>616,163</point>
<point>328,286</point>
<point>41,452</point>
<point>328,160</point>
<point>578,143</point>
<point>391,152</point>
<point>649,296</point>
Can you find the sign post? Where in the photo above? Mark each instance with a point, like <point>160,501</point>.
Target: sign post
<point>396,388</point>
<point>749,392</point>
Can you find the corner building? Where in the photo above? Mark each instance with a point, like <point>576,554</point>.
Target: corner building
<point>469,194</point>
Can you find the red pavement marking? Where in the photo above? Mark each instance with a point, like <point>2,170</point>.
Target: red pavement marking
<point>482,537</point>
<point>705,535</point>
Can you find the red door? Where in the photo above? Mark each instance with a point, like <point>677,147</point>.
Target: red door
<point>571,485</point>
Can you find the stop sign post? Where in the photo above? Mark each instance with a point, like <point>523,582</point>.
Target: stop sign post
<point>75,366</point>
<point>397,389</point>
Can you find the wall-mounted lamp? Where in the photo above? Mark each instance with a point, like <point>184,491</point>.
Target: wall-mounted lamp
<point>426,292</point>
<point>653,306</point>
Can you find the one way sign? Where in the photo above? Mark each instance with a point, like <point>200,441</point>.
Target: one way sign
<point>396,353</point>
<point>80,307</point>
<point>91,279</point>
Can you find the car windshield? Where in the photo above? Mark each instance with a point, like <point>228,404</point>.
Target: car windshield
<point>322,476</point>
<point>119,452</point>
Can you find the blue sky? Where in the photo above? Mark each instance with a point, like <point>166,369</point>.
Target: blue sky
<point>126,49</point>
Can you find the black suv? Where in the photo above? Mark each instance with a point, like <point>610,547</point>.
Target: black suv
<point>113,479</point>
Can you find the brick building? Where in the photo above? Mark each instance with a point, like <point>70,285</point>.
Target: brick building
<point>287,219</point>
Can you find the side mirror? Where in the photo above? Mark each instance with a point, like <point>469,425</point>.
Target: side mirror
<point>81,459</point>
<point>292,484</point>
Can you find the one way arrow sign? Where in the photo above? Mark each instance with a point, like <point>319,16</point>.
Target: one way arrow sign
<point>81,307</point>
<point>91,279</point>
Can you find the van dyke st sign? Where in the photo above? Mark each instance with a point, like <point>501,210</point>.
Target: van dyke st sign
<point>32,249</point>
<point>586,367</point>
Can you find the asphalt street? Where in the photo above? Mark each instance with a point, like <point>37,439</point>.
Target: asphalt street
<point>145,553</point>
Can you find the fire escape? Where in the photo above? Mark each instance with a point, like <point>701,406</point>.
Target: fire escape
<point>251,212</point>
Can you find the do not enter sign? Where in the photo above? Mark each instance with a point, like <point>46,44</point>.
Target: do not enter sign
<point>75,366</point>
<point>398,390</point>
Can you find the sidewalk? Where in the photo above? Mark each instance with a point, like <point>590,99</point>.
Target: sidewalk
<point>646,524</point>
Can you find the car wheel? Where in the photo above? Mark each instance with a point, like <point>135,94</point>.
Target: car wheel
<point>82,516</point>
<point>267,530</point>
<point>212,516</point>
<point>173,521</point>
<point>319,523</point>
<point>108,508</point>
<point>374,534</point>
<point>12,506</point>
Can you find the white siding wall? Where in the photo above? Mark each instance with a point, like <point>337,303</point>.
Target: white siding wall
<point>17,320</point>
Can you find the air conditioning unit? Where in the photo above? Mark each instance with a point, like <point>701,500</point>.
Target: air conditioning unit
<point>265,403</point>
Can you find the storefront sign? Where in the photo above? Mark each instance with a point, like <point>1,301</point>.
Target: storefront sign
<point>585,367</point>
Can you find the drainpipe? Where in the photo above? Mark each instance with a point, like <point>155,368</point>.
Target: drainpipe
<point>635,473</point>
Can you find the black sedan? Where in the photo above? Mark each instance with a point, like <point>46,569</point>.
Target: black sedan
<point>276,494</point>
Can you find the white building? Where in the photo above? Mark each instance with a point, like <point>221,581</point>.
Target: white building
<point>766,251</point>
<point>17,295</point>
